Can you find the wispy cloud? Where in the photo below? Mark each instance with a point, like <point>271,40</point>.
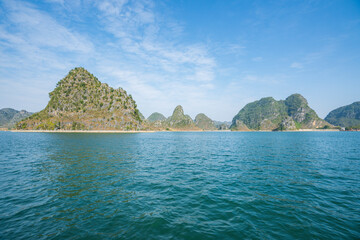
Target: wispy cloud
<point>159,55</point>
<point>31,38</point>
<point>257,59</point>
<point>36,51</point>
<point>139,33</point>
<point>296,65</point>
<point>31,27</point>
<point>179,70</point>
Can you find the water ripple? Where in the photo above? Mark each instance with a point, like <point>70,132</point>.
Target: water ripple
<point>180,186</point>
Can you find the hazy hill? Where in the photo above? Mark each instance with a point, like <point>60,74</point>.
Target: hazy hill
<point>9,117</point>
<point>81,101</point>
<point>346,116</point>
<point>269,114</point>
<point>204,122</point>
<point>225,125</point>
<point>178,120</point>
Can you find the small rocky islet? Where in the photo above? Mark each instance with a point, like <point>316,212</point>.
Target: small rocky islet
<point>81,102</point>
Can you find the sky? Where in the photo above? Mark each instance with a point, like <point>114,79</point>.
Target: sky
<point>210,56</point>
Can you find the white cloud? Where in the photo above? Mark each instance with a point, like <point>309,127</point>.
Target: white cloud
<point>296,65</point>
<point>257,59</point>
<point>27,25</point>
<point>36,51</point>
<point>146,56</point>
<point>56,1</point>
<point>138,31</point>
<point>156,67</point>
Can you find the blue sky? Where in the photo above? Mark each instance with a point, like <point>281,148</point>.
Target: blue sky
<point>208,56</point>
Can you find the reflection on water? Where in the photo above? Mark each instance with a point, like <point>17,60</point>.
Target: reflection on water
<point>91,178</point>
<point>180,185</point>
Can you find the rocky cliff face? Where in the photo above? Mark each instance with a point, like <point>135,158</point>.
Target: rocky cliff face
<point>299,110</point>
<point>269,114</point>
<point>204,122</point>
<point>81,101</point>
<point>346,116</point>
<point>239,126</point>
<point>264,114</point>
<point>287,124</point>
<point>9,117</point>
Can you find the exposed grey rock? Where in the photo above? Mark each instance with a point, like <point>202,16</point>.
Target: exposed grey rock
<point>179,120</point>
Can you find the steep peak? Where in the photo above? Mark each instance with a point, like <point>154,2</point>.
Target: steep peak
<point>79,75</point>
<point>201,116</point>
<point>178,111</point>
<point>296,100</point>
<point>80,98</point>
<point>266,100</point>
<point>79,70</point>
<point>179,120</point>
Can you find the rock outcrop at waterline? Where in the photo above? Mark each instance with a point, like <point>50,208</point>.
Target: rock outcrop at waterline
<point>268,114</point>
<point>81,102</point>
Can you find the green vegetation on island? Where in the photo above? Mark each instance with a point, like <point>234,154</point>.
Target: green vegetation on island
<point>9,117</point>
<point>225,125</point>
<point>81,102</point>
<point>268,114</point>
<point>347,116</point>
<point>178,120</point>
<point>204,122</point>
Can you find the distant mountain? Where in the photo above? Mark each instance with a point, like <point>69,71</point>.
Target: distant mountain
<point>141,116</point>
<point>9,117</point>
<point>299,110</point>
<point>204,122</point>
<point>156,117</point>
<point>269,114</point>
<point>346,116</point>
<point>81,101</point>
<point>178,120</point>
<point>222,125</point>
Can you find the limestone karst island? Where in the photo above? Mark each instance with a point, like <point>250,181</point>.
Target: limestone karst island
<point>179,120</point>
<point>81,102</point>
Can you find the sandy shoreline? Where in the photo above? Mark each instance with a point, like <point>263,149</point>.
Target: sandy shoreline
<point>150,131</point>
<point>79,131</point>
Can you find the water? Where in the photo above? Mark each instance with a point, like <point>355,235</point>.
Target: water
<point>229,185</point>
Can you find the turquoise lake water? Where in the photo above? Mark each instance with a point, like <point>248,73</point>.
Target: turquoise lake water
<point>180,185</point>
